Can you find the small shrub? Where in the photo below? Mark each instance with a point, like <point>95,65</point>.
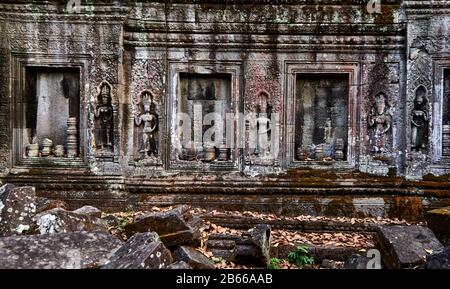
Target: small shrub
<point>274,263</point>
<point>217,260</point>
<point>299,257</point>
<point>121,223</point>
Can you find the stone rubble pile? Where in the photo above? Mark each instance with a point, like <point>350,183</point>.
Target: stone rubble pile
<point>40,233</point>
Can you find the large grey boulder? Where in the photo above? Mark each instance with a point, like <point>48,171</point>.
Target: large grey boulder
<point>192,257</point>
<point>179,265</point>
<point>77,250</point>
<point>17,210</point>
<point>406,246</point>
<point>90,211</point>
<point>438,221</point>
<point>142,251</point>
<point>439,260</point>
<point>175,227</point>
<point>61,221</point>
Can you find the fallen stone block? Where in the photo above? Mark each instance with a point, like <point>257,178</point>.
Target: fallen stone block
<point>179,265</point>
<point>318,252</point>
<point>17,210</point>
<point>251,248</point>
<point>329,264</point>
<point>77,250</point>
<point>440,260</point>
<point>142,251</point>
<point>438,221</point>
<point>44,204</point>
<point>406,246</point>
<point>90,211</point>
<point>61,221</point>
<point>175,227</point>
<point>192,257</point>
<point>356,262</point>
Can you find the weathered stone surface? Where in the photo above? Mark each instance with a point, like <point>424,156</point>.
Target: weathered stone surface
<point>356,261</point>
<point>318,252</point>
<point>179,265</point>
<point>89,211</point>
<point>250,248</point>
<point>406,246</point>
<point>17,209</point>
<point>61,221</point>
<point>76,250</point>
<point>440,260</point>
<point>44,204</point>
<point>142,251</point>
<point>175,227</point>
<point>192,257</point>
<point>438,221</point>
<point>329,264</point>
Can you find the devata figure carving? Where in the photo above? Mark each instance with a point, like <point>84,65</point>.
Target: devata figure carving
<point>104,119</point>
<point>328,132</point>
<point>379,122</point>
<point>148,121</point>
<point>263,125</point>
<point>419,121</point>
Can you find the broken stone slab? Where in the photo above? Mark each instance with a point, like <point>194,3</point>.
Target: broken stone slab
<point>406,246</point>
<point>44,204</point>
<point>90,211</point>
<point>438,221</point>
<point>175,227</point>
<point>179,265</point>
<point>329,264</point>
<point>356,262</point>
<point>318,252</point>
<point>192,257</point>
<point>142,251</point>
<point>251,248</point>
<point>61,221</point>
<point>76,250</point>
<point>17,210</point>
<point>439,260</point>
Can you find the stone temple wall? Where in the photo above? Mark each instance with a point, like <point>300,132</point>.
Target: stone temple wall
<point>370,84</point>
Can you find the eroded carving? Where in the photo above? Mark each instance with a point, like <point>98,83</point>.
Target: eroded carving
<point>104,115</point>
<point>379,123</point>
<point>147,122</point>
<point>72,137</point>
<point>262,126</point>
<point>419,121</point>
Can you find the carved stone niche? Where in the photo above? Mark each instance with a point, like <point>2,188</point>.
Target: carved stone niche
<point>204,97</point>
<point>203,104</point>
<point>446,115</point>
<point>321,114</point>
<point>51,110</point>
<point>104,122</point>
<point>147,134</point>
<point>321,121</point>
<point>420,119</point>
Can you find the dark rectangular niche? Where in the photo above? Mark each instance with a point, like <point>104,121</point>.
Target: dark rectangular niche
<point>52,96</point>
<point>321,106</point>
<point>446,115</point>
<point>213,93</point>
